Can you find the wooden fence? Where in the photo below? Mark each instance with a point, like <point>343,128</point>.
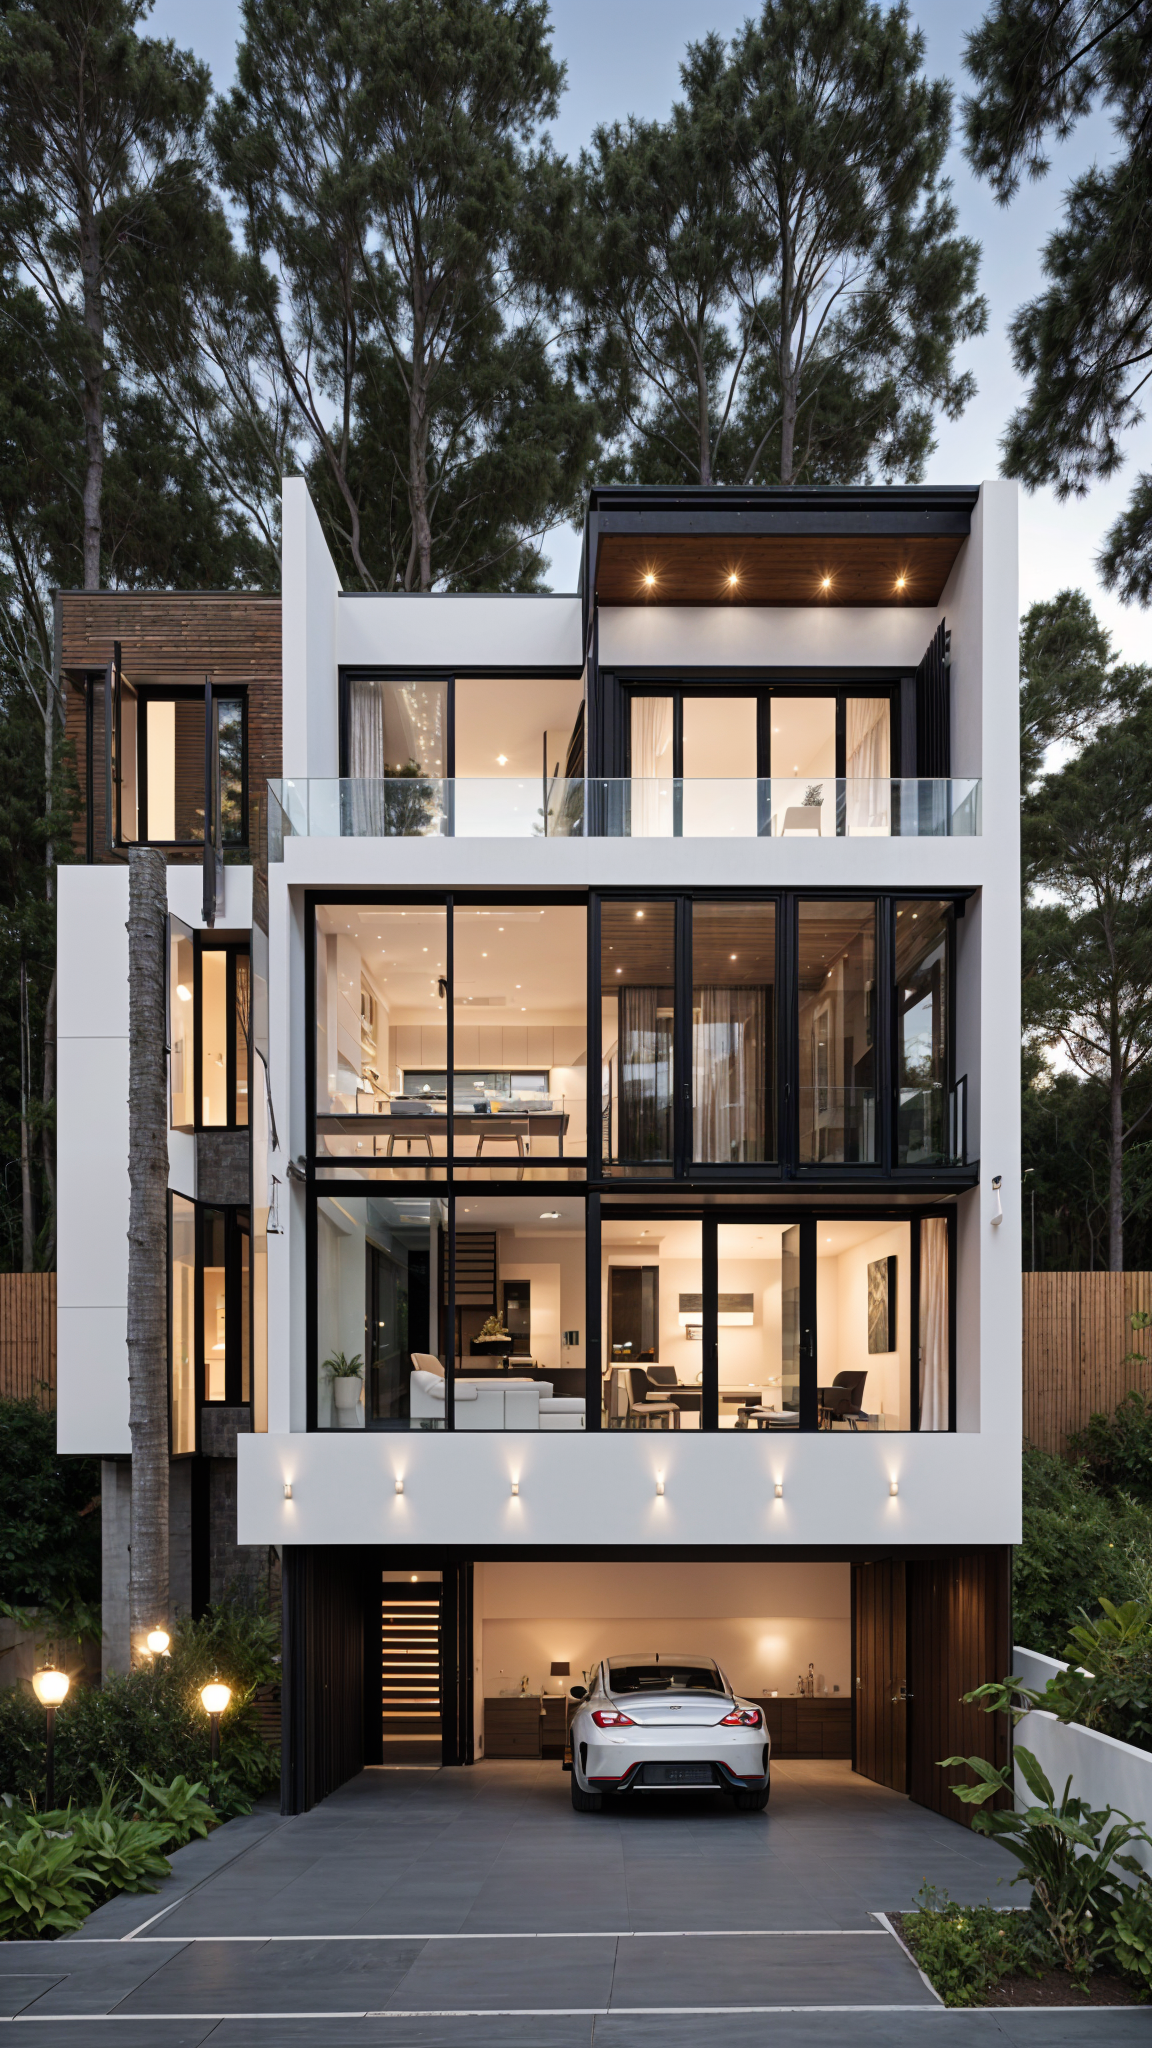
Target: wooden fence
<point>28,1337</point>
<point>1076,1334</point>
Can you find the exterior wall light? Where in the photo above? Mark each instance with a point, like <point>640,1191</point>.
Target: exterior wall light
<point>158,1640</point>
<point>287,1489</point>
<point>998,1211</point>
<point>50,1687</point>
<point>893,1488</point>
<point>660,1483</point>
<point>779,1489</point>
<point>215,1697</point>
<point>399,1486</point>
<point>515,1488</point>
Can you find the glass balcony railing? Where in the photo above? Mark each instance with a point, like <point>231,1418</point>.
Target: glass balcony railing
<point>625,808</point>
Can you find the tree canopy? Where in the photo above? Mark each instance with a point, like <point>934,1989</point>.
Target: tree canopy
<point>772,280</point>
<point>1084,344</point>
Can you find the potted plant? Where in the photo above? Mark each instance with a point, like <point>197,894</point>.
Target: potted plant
<point>492,1338</point>
<point>346,1375</point>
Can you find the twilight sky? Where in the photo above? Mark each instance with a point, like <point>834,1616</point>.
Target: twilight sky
<point>623,57</point>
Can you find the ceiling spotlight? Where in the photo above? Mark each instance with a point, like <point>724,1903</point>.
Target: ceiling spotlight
<point>649,578</point>
<point>733,578</point>
<point>503,760</point>
<point>900,582</point>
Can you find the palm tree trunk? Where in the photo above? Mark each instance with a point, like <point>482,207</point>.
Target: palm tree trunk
<point>147,1241</point>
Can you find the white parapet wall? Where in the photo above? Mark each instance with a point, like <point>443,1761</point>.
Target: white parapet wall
<point>1103,1771</point>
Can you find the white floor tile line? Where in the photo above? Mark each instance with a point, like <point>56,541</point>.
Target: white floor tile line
<point>926,1981</point>
<point>475,2012</point>
<point>141,1940</point>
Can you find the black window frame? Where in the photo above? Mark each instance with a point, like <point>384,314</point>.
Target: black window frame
<point>170,693</point>
<point>648,1207</point>
<point>237,1249</point>
<point>207,942</point>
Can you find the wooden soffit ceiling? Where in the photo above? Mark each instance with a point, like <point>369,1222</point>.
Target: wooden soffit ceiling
<point>774,569</point>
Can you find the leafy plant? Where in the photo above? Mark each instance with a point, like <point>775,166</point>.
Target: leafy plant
<point>1131,1934</point>
<point>964,1950</point>
<point>1067,1852</point>
<point>338,1367</point>
<point>1108,1681</point>
<point>1078,1544</point>
<point>44,1883</point>
<point>121,1853</point>
<point>180,1809</point>
<point>494,1327</point>
<point>1117,1448</point>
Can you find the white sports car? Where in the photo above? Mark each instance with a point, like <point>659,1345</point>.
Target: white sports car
<point>658,1721</point>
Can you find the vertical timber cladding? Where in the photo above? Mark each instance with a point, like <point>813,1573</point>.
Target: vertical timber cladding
<point>322,1731</point>
<point>174,637</point>
<point>959,1636</point>
<point>879,1679</point>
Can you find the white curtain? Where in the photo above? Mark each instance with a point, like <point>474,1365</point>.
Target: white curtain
<point>868,764</point>
<point>934,1323</point>
<point>366,758</point>
<point>729,1073</point>
<point>651,767</point>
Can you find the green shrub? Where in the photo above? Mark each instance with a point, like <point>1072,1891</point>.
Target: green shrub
<point>180,1809</point>
<point>1078,1543</point>
<point>151,1722</point>
<point>1131,1935</point>
<point>965,1950</point>
<point>1071,1854</point>
<point>1117,1448</point>
<point>49,1513</point>
<point>45,1884</point>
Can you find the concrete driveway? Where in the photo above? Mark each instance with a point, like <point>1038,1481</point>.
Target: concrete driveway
<point>469,1908</point>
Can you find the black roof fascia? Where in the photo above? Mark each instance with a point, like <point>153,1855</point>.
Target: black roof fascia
<point>902,511</point>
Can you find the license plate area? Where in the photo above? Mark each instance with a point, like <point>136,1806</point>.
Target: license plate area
<point>678,1774</point>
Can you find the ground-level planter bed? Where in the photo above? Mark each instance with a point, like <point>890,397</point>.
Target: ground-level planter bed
<point>967,1971</point>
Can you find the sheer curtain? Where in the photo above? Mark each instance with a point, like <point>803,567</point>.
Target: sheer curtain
<point>868,764</point>
<point>645,1070</point>
<point>651,765</point>
<point>729,1074</point>
<point>934,1323</point>
<point>366,758</point>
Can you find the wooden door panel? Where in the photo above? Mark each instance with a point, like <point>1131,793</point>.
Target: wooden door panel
<point>880,1678</point>
<point>959,1636</point>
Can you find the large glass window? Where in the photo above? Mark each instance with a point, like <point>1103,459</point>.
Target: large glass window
<point>864,1326</point>
<point>720,795</point>
<point>756,1326</point>
<point>519,1046</point>
<point>181,1028</point>
<point>922,1003</point>
<point>652,1282</point>
<point>397,729</point>
<point>733,1038</point>
<point>637,970</point>
<point>381,1025</point>
<point>182,1285</point>
<point>836,972</point>
<point>518,1299</point>
<point>222,1054</point>
<point>520,1009</point>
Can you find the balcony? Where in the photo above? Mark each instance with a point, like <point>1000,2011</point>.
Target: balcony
<point>600,808</point>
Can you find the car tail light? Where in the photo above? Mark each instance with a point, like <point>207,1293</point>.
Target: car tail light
<point>742,1717</point>
<point>608,1720</point>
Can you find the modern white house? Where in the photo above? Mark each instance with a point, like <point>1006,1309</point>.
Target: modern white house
<point>594,1147</point>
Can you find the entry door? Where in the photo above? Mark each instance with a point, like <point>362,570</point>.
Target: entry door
<point>880,1637</point>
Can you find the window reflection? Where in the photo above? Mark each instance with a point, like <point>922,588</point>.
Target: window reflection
<point>733,988</point>
<point>214,1276</point>
<point>637,952</point>
<point>182,985</point>
<point>837,1051</point>
<point>214,1037</point>
<point>183,1290</point>
<point>922,1032</point>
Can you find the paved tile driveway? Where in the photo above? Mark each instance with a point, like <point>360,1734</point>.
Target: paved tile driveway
<point>474,1907</point>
